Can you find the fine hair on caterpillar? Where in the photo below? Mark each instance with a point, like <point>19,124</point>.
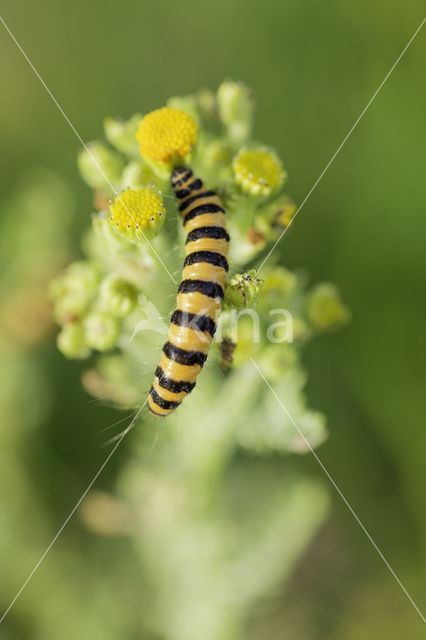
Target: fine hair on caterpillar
<point>111,426</point>
<point>200,293</point>
<point>134,416</point>
<point>142,412</point>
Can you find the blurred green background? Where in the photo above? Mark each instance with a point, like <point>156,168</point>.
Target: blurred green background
<point>313,67</point>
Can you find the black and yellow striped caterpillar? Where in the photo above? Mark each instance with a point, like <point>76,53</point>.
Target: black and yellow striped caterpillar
<point>200,293</point>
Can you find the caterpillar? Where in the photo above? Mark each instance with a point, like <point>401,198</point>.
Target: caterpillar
<point>200,293</point>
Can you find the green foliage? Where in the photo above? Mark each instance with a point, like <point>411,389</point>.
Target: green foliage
<point>99,165</point>
<point>203,521</point>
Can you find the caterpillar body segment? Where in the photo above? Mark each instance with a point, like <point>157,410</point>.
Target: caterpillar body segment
<point>200,293</point>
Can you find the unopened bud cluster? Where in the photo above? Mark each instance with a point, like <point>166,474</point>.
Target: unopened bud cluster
<point>90,308</point>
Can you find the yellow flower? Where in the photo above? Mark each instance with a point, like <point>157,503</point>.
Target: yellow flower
<point>137,213</point>
<point>258,171</point>
<point>167,135</point>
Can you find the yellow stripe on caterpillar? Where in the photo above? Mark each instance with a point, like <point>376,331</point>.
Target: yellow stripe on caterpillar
<point>199,304</point>
<point>204,271</point>
<point>191,339</point>
<point>216,219</point>
<point>177,371</point>
<point>196,200</point>
<point>207,244</point>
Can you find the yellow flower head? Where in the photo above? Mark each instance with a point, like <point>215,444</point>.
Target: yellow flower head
<point>137,213</point>
<point>258,171</point>
<point>167,135</point>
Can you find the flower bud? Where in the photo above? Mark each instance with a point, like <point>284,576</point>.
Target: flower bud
<point>236,107</point>
<point>137,214</point>
<point>218,153</point>
<point>99,165</point>
<point>83,276</point>
<point>117,295</point>
<point>188,104</point>
<point>137,174</point>
<point>71,341</point>
<point>276,360</point>
<point>243,291</point>
<point>258,171</point>
<point>207,104</point>
<point>101,330</point>
<point>217,164</point>
<point>284,214</point>
<point>70,307</point>
<point>276,217</point>
<point>301,330</point>
<point>122,133</point>
<point>325,308</point>
<point>280,284</point>
<point>73,291</point>
<point>105,236</point>
<point>167,136</point>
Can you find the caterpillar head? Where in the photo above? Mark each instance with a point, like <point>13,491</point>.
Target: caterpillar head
<point>137,213</point>
<point>167,136</point>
